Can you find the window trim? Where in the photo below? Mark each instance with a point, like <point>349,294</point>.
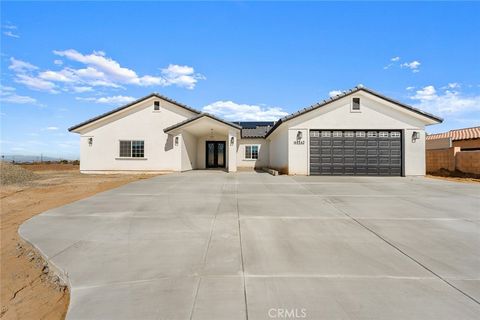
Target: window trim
<point>131,157</point>
<point>352,108</point>
<point>251,153</point>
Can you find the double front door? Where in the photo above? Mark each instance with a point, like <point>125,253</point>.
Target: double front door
<point>215,154</point>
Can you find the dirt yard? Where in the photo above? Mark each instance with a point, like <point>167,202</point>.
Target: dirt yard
<point>28,289</point>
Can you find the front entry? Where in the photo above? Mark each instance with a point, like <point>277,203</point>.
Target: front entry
<point>215,154</point>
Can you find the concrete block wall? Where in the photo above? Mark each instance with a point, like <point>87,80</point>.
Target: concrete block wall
<point>452,159</point>
<point>468,161</point>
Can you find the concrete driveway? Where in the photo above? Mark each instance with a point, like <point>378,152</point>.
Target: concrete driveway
<point>212,245</point>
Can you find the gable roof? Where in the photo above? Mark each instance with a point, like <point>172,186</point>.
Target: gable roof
<point>458,134</point>
<point>201,115</point>
<point>347,93</point>
<point>130,105</point>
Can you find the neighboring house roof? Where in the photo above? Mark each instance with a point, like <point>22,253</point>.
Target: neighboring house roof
<point>344,94</point>
<point>131,104</point>
<point>458,134</point>
<point>201,115</point>
<point>255,129</point>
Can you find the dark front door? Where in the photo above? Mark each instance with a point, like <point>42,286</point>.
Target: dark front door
<point>215,154</point>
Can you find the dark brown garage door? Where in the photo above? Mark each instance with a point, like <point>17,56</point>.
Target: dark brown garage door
<point>356,152</point>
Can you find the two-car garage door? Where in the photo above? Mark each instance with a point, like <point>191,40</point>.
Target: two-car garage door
<point>356,152</point>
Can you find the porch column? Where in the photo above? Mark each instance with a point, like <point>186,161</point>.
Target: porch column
<point>232,151</point>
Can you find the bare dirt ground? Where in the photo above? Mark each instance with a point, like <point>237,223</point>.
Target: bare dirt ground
<point>28,289</point>
<point>456,179</point>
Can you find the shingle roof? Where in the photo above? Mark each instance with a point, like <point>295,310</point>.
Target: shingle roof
<point>458,134</point>
<point>131,104</point>
<point>255,129</point>
<point>201,115</point>
<point>346,93</point>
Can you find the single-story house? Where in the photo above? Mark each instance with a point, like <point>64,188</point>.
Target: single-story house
<point>467,139</point>
<point>359,132</point>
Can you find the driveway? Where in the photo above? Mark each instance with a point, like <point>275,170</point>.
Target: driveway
<point>211,245</point>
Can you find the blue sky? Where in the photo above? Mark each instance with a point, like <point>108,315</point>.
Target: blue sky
<point>63,62</point>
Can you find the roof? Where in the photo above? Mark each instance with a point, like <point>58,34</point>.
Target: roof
<point>344,94</point>
<point>255,129</point>
<point>458,134</point>
<point>131,104</point>
<point>201,115</point>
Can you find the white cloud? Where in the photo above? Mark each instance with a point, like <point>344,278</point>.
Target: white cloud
<point>98,70</point>
<point>446,102</point>
<point>20,66</point>
<point>82,89</point>
<point>334,93</point>
<point>109,100</point>
<point>51,128</point>
<point>453,85</point>
<point>411,65</point>
<point>232,111</point>
<point>36,83</point>
<point>8,95</point>
<point>409,88</point>
<point>182,76</point>
<point>11,34</point>
<point>395,59</point>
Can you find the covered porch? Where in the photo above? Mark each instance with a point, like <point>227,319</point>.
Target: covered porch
<point>205,142</point>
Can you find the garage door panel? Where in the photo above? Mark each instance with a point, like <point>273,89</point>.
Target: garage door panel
<point>355,152</point>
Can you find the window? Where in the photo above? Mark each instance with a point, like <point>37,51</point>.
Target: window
<point>337,134</point>
<point>360,134</point>
<point>131,149</point>
<point>326,134</point>
<point>371,134</point>
<point>251,152</point>
<point>383,134</point>
<point>314,134</point>
<point>348,134</point>
<point>156,105</point>
<point>395,134</point>
<point>356,104</point>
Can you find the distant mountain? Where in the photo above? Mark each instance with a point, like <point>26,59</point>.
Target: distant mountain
<point>26,158</point>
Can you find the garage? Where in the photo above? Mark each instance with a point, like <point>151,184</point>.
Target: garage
<point>356,152</point>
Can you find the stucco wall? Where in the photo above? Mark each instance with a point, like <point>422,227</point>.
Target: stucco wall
<point>278,149</point>
<point>140,122</point>
<point>189,151</point>
<point>263,154</point>
<point>375,114</point>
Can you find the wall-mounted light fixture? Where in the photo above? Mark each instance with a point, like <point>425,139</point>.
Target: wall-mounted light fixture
<point>415,136</point>
<point>232,141</point>
<point>176,141</point>
<point>299,135</point>
<point>90,141</point>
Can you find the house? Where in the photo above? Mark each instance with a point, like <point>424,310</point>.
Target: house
<point>359,132</point>
<point>466,139</point>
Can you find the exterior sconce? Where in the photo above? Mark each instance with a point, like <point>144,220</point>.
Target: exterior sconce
<point>415,136</point>
<point>90,141</point>
<point>299,135</point>
<point>232,141</point>
<point>176,141</point>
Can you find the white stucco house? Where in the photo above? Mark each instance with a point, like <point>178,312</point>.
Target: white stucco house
<point>359,132</point>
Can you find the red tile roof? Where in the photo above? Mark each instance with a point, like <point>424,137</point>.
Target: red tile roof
<point>459,134</point>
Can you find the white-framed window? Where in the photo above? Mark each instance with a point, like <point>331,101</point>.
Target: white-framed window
<point>383,134</point>
<point>394,134</point>
<point>251,152</point>
<point>132,149</point>
<point>356,104</point>
<point>372,134</point>
<point>326,134</point>
<point>348,134</point>
<point>360,134</point>
<point>156,105</point>
<point>337,134</point>
<point>314,134</point>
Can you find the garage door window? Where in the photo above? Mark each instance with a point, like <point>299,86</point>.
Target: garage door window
<point>372,134</point>
<point>394,134</point>
<point>348,134</point>
<point>326,134</point>
<point>337,134</point>
<point>383,134</point>
<point>360,134</point>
